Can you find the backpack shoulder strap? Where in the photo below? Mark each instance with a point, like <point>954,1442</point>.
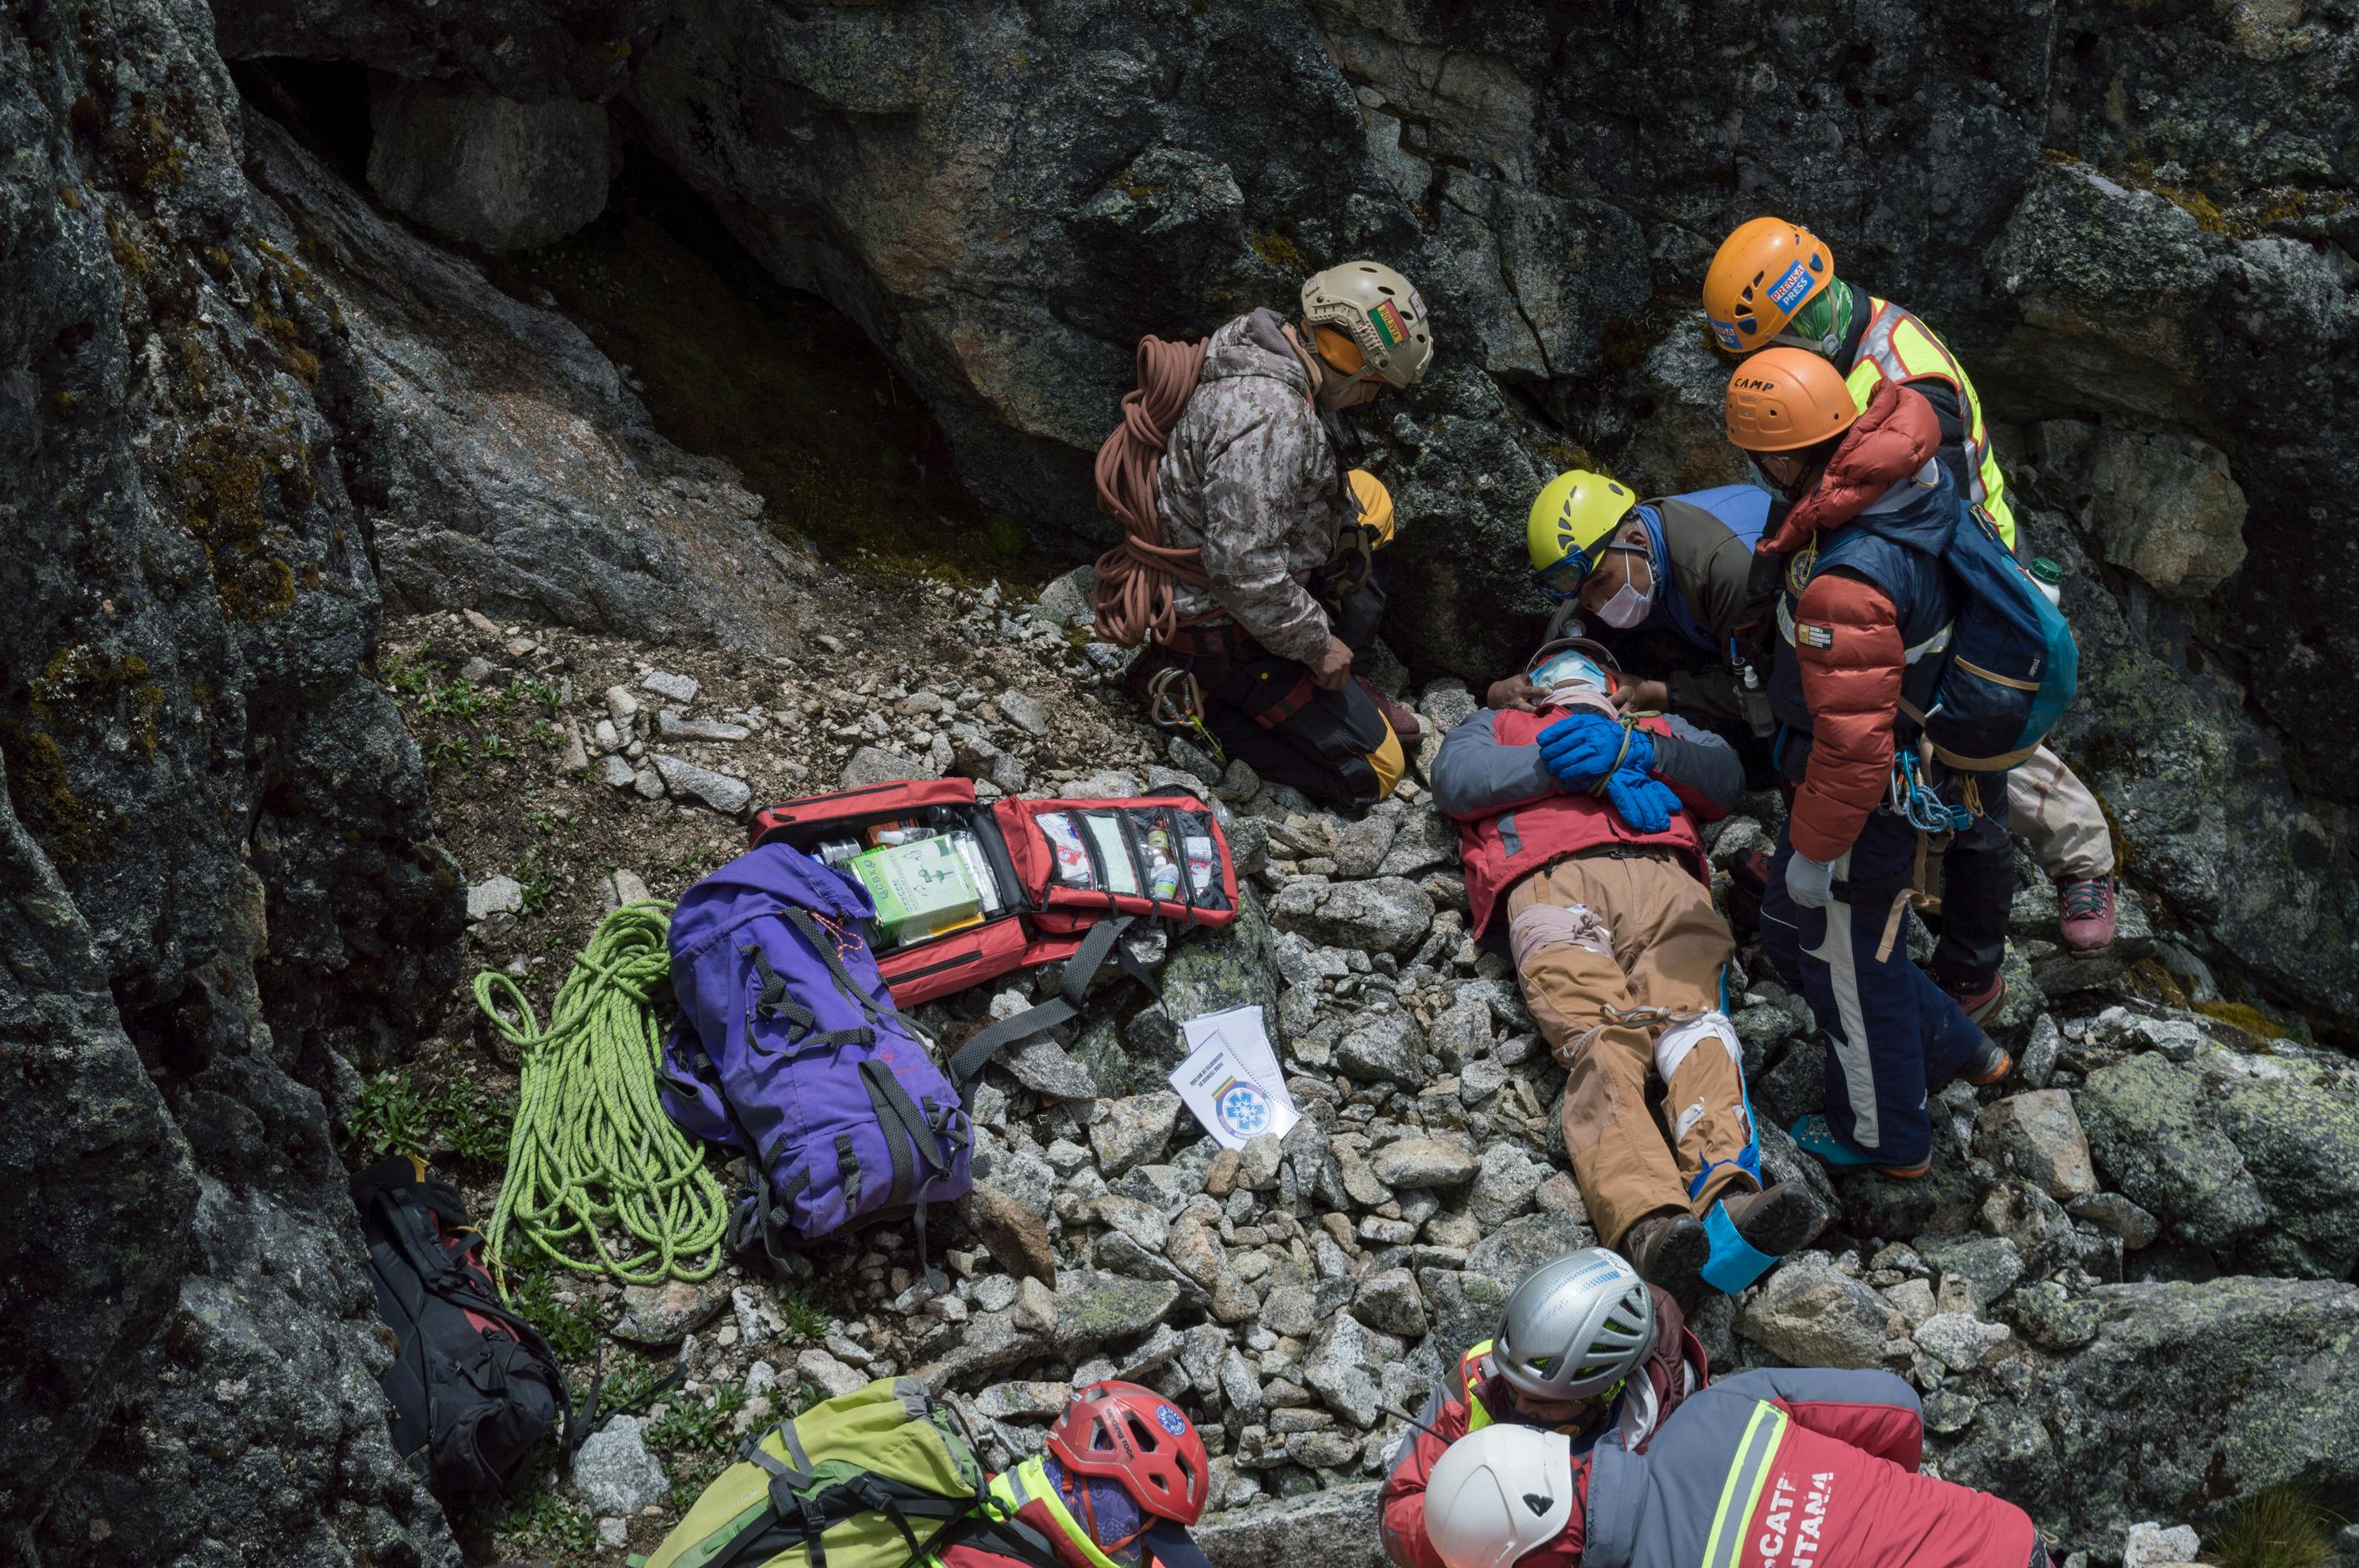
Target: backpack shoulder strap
<point>1080,970</point>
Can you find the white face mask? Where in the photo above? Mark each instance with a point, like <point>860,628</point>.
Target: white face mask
<point>1628,607</point>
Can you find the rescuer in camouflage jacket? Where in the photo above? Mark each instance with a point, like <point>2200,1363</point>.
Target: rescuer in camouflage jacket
<point>1252,477</point>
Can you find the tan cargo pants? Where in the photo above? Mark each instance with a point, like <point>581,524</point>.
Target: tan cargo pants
<point>2059,818</point>
<point>1669,945</point>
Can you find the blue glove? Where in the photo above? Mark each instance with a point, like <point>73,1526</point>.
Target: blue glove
<point>1645,803</point>
<point>1810,883</point>
<point>1580,747</point>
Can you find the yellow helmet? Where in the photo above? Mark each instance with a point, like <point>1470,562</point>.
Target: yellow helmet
<point>1574,514</point>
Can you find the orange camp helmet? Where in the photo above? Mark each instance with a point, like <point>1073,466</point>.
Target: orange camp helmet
<point>1761,275</point>
<point>1783,399</point>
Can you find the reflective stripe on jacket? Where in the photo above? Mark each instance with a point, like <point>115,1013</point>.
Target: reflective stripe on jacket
<point>1787,1468</point>
<point>1898,346</point>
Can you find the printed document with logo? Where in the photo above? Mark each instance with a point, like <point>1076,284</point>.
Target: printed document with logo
<point>1231,1079</point>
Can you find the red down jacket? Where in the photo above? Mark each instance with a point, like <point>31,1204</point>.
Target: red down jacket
<point>1843,632</point>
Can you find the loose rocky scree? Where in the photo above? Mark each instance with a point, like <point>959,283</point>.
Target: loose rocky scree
<point>2055,1274</point>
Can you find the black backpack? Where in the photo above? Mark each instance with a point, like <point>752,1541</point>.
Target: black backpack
<point>474,1387</point>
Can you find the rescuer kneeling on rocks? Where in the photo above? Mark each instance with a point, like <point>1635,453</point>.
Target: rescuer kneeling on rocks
<point>1251,555</point>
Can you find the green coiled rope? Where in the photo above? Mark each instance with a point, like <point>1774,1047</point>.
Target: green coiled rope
<point>592,1150</point>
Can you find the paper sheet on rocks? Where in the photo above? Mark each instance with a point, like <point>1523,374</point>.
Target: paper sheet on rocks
<point>1231,1079</point>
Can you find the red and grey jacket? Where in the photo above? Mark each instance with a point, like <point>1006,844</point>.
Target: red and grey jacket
<point>1865,612</point>
<point>1514,819</point>
<point>1787,1468</point>
<point>1474,1398</point>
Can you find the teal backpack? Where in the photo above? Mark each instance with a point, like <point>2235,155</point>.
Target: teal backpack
<point>2012,664</point>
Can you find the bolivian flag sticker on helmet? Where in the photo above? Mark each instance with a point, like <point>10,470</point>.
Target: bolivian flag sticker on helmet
<point>1387,322</point>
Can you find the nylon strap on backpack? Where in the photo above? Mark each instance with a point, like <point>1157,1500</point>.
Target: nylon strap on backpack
<point>1105,940</point>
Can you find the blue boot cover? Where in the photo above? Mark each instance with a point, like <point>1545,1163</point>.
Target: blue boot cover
<point>1735,1263</point>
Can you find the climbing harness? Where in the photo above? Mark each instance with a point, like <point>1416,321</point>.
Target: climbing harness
<point>592,1150</point>
<point>1176,701</point>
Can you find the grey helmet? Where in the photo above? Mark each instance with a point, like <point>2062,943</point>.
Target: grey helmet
<point>1576,1327</point>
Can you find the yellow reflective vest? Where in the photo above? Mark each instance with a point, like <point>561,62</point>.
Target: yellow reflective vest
<point>1896,346</point>
<point>1028,1483</point>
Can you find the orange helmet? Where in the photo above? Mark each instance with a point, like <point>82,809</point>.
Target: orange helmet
<point>1761,275</point>
<point>1782,399</point>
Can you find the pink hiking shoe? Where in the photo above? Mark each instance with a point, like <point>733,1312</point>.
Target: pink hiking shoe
<point>2085,912</point>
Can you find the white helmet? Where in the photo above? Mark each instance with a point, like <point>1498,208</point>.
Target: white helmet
<point>1497,1494</point>
<point>1575,1327</point>
<point>1376,307</point>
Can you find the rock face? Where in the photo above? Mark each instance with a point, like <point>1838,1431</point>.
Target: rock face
<point>223,890</point>
<point>519,476</point>
<point>2211,1348</point>
<point>487,170</point>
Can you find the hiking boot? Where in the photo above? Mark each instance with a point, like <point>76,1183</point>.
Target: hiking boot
<point>1776,1220</point>
<point>1987,1065</point>
<point>1748,878</point>
<point>1906,1172</point>
<point>1396,714</point>
<point>1671,1250</point>
<point>1980,998</point>
<point>2085,912</point>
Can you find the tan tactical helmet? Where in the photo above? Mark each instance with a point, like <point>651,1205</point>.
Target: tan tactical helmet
<point>1376,307</point>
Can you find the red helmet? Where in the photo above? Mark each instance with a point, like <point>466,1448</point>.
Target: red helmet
<point>1138,1437</point>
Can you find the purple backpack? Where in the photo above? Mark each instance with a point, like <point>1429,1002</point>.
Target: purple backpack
<point>788,1050</point>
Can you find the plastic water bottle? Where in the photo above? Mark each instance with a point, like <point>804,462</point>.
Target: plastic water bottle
<point>2051,579</point>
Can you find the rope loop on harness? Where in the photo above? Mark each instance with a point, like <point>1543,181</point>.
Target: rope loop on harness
<point>592,1150</point>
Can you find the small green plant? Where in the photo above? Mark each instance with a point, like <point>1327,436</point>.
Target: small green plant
<point>531,692</point>
<point>541,1516</point>
<point>571,1328</point>
<point>448,754</point>
<point>703,1427</point>
<point>804,1318</point>
<point>472,1123</point>
<point>634,1389</point>
<point>396,672</point>
<point>455,700</point>
<point>2282,1528</point>
<point>390,1119</point>
<point>492,747</point>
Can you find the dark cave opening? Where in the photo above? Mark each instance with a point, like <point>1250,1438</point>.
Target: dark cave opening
<point>729,363</point>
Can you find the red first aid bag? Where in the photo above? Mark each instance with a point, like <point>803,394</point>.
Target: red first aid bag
<point>1065,876</point>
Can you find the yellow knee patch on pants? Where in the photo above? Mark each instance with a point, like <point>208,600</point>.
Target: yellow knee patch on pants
<point>1376,506</point>
<point>1387,762</point>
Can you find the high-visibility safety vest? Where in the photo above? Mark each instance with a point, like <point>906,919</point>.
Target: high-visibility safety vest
<point>1028,1484</point>
<point>1470,1377</point>
<point>1896,346</point>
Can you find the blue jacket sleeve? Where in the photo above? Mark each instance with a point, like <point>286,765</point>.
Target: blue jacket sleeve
<point>1475,773</point>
